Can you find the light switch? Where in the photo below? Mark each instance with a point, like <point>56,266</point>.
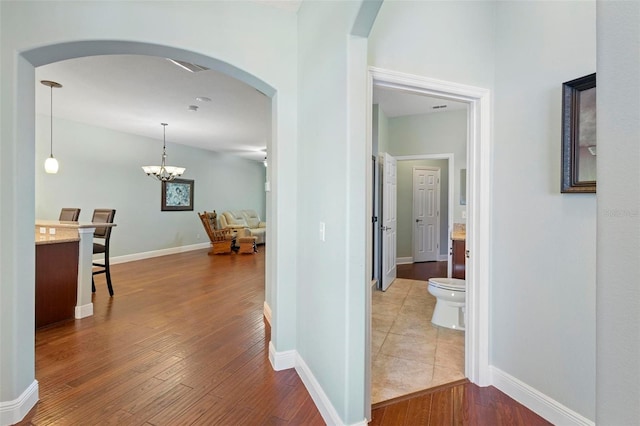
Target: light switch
<point>43,230</point>
<point>321,231</point>
<point>464,214</point>
<point>52,231</point>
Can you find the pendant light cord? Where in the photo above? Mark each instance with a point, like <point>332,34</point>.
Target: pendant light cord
<point>51,114</point>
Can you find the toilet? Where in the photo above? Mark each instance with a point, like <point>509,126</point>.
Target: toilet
<point>450,302</point>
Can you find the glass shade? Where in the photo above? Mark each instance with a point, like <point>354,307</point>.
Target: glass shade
<point>51,165</point>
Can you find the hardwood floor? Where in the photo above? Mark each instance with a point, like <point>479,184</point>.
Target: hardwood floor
<point>455,404</point>
<point>183,342</point>
<point>422,270</point>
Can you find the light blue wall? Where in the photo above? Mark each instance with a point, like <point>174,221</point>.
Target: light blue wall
<point>437,133</point>
<point>240,38</point>
<point>100,168</point>
<point>331,303</point>
<point>618,269</point>
<point>542,242</point>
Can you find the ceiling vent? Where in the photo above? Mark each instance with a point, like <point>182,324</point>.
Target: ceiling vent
<point>189,66</point>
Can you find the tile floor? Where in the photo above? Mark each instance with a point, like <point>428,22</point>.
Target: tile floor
<point>409,353</point>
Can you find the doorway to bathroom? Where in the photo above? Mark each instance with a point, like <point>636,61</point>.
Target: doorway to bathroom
<point>475,150</point>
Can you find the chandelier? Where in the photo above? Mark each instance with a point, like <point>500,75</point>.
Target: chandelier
<point>163,172</point>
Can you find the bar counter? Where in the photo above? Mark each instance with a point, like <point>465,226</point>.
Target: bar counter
<point>64,255</point>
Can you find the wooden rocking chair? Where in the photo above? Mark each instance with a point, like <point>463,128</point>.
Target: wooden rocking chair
<point>222,241</point>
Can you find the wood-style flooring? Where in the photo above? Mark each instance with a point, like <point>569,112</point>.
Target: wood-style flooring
<point>183,342</point>
<point>422,270</point>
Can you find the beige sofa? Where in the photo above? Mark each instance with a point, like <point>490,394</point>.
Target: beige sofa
<point>246,222</point>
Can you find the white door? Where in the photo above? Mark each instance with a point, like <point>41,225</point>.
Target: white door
<point>426,214</point>
<point>389,219</point>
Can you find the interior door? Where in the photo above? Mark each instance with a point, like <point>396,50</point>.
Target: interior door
<point>389,219</point>
<point>426,214</point>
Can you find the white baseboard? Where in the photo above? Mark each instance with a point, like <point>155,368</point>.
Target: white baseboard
<point>267,312</point>
<point>536,401</point>
<point>156,253</point>
<point>404,260</point>
<point>84,311</point>
<point>281,360</point>
<point>443,258</point>
<point>320,398</point>
<point>11,412</point>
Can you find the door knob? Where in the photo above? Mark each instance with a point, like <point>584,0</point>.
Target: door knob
<point>418,220</point>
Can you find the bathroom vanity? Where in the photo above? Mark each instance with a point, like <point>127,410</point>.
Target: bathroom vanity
<point>458,258</point>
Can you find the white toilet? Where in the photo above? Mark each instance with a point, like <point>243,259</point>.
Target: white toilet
<point>450,294</point>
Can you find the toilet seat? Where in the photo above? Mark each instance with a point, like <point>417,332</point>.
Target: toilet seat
<point>452,284</point>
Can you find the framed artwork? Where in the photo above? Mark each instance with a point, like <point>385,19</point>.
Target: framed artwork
<point>177,195</point>
<point>579,135</point>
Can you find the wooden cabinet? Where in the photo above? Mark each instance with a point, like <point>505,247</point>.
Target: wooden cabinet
<point>56,282</point>
<point>458,259</point>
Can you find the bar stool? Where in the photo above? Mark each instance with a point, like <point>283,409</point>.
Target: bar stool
<point>69,215</point>
<point>102,216</point>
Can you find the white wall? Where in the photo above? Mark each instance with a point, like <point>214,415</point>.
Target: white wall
<point>543,243</point>
<point>100,168</point>
<point>240,38</point>
<point>437,133</point>
<point>618,292</point>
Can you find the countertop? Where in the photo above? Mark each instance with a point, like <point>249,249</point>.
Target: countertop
<point>459,232</point>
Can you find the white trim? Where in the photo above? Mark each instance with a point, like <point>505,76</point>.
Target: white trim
<point>323,403</point>
<point>12,412</point>
<point>443,258</point>
<point>536,401</point>
<point>404,260</point>
<point>281,360</point>
<point>84,311</point>
<point>156,253</point>
<point>479,147</point>
<point>266,310</point>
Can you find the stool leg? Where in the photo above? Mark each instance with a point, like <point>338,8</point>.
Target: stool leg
<point>93,285</point>
<point>108,274</point>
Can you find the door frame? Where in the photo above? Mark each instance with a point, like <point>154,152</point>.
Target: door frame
<point>479,147</point>
<point>450,176</point>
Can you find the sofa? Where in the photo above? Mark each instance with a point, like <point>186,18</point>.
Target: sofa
<point>246,222</point>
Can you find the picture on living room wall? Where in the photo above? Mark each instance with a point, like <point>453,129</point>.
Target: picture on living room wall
<point>177,195</point>
<point>579,135</point>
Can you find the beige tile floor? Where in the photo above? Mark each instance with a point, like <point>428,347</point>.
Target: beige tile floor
<point>409,353</point>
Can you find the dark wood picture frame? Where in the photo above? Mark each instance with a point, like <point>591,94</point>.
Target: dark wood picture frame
<point>579,135</point>
<point>177,195</point>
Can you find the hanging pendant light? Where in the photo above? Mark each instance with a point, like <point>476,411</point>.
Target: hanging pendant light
<point>51,164</point>
<point>163,172</point>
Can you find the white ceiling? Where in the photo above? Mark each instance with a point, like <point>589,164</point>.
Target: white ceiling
<point>396,103</point>
<point>134,94</point>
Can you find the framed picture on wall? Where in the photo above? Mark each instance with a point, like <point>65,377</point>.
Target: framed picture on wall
<point>177,195</point>
<point>579,135</point>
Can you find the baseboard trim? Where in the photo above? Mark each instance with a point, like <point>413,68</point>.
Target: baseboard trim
<point>443,258</point>
<point>320,398</point>
<point>281,360</point>
<point>11,412</point>
<point>404,260</point>
<point>266,310</point>
<point>536,401</point>
<point>157,253</point>
<point>84,311</point>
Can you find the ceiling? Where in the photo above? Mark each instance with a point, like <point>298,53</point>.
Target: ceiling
<point>134,94</point>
